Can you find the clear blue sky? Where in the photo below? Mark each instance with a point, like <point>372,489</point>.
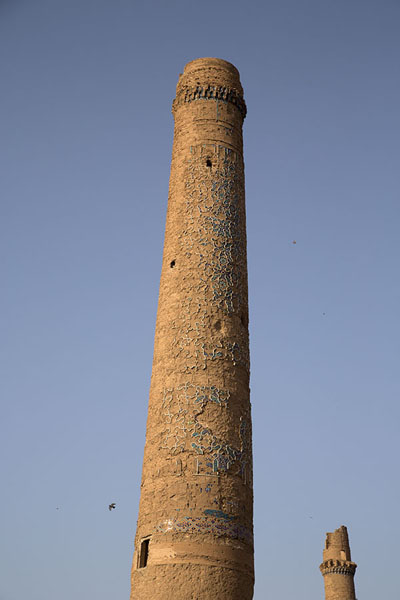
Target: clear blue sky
<point>85,135</point>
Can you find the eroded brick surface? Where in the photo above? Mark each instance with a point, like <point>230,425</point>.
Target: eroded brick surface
<point>196,506</point>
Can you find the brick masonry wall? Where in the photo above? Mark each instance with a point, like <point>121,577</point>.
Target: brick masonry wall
<point>196,505</point>
<point>337,567</point>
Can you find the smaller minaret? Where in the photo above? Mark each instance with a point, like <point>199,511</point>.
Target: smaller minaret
<point>337,567</point>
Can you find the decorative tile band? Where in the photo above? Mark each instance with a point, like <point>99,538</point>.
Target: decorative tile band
<point>181,411</point>
<point>218,526</point>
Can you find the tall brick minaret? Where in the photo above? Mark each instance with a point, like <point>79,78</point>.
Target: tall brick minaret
<point>194,536</point>
<point>337,567</point>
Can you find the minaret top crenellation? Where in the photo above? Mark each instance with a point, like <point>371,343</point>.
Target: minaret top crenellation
<point>210,79</point>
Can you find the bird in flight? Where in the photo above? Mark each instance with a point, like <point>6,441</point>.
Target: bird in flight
<point>111,506</point>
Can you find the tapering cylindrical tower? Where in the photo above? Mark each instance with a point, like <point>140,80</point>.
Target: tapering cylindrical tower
<point>337,567</point>
<point>194,536</point>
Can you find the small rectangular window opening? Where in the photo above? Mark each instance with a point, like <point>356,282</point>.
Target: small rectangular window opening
<point>144,553</point>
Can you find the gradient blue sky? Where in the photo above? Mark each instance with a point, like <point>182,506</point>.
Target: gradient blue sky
<point>86,134</point>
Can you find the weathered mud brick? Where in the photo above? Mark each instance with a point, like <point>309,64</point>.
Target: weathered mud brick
<point>194,536</point>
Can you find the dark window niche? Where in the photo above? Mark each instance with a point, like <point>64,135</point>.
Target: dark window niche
<point>144,553</point>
